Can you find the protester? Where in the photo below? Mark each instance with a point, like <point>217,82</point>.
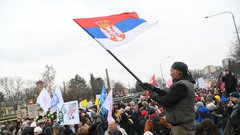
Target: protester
<point>114,126</point>
<point>178,101</point>
<point>207,127</point>
<point>126,124</point>
<point>230,82</point>
<point>142,120</point>
<point>235,115</point>
<point>210,103</point>
<point>37,131</point>
<point>135,117</point>
<point>202,112</point>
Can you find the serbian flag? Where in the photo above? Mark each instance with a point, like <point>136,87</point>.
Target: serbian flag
<point>114,30</point>
<point>154,83</point>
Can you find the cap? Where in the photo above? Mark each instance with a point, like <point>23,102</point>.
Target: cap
<point>234,94</point>
<point>180,66</point>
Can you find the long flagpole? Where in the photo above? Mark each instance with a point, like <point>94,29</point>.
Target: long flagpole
<point>125,67</point>
<point>139,81</point>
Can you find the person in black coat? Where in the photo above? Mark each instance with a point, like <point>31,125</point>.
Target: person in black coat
<point>178,101</point>
<point>230,82</point>
<point>126,124</point>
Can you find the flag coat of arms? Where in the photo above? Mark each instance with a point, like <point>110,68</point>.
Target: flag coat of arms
<point>114,30</point>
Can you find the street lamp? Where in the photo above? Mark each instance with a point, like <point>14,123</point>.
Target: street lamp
<point>233,22</point>
<point>161,69</point>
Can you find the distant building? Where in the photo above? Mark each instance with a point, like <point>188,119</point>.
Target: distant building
<point>209,69</point>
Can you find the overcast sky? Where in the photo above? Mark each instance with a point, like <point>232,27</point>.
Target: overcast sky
<point>40,32</point>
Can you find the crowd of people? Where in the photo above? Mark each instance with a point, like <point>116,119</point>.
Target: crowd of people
<point>181,110</point>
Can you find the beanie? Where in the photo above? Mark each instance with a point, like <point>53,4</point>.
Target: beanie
<point>234,94</point>
<point>180,66</point>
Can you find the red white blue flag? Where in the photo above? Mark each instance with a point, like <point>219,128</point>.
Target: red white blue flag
<point>114,30</point>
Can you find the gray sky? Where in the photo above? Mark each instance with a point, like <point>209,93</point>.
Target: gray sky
<point>40,32</point>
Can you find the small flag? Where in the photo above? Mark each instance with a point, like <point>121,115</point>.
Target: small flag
<point>108,104</point>
<point>57,100</point>
<point>97,102</point>
<point>154,83</point>
<point>44,100</point>
<point>84,103</point>
<point>114,30</point>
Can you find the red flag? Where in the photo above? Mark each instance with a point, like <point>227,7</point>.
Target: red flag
<point>154,83</point>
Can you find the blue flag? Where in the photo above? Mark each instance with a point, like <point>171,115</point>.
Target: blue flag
<point>103,94</point>
<point>102,99</point>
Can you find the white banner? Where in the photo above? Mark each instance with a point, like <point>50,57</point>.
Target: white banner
<point>201,83</point>
<point>68,114</point>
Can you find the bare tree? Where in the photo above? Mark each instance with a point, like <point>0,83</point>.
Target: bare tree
<point>119,89</point>
<point>48,77</point>
<point>29,90</point>
<point>13,90</point>
<point>2,111</point>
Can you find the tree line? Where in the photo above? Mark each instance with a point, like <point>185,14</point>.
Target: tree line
<point>14,90</point>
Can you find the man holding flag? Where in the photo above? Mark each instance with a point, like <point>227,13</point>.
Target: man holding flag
<point>179,101</point>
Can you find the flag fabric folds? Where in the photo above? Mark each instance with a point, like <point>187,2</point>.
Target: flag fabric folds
<point>102,99</point>
<point>114,30</point>
<point>108,104</point>
<point>103,94</point>
<point>57,100</point>
<point>44,100</point>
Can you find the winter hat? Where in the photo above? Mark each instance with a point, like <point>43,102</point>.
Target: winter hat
<point>33,124</point>
<point>127,109</point>
<point>180,66</point>
<point>148,133</point>
<point>234,94</point>
<point>151,111</point>
<point>199,104</point>
<point>144,112</point>
<point>217,98</point>
<point>38,130</point>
